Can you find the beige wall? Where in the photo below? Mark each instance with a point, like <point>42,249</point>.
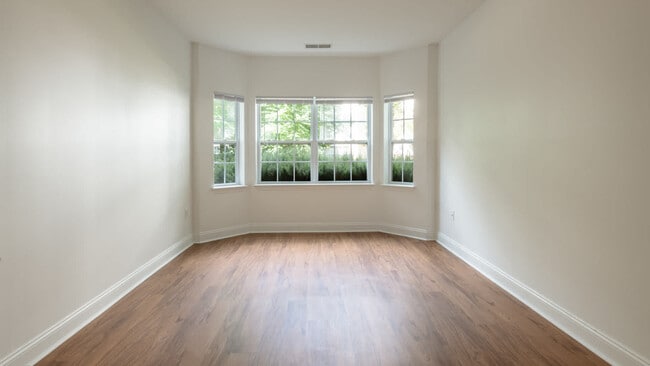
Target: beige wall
<point>545,110</point>
<point>94,153</point>
<point>285,208</point>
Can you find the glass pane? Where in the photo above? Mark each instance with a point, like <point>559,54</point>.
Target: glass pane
<point>268,113</point>
<point>397,152</point>
<point>325,112</point>
<point>285,131</point>
<point>408,129</point>
<point>408,152</point>
<point>397,171</point>
<point>303,172</point>
<point>343,152</point>
<point>360,112</point>
<point>229,152</point>
<point>218,173</point>
<point>326,131</point>
<point>398,110</point>
<point>326,152</point>
<point>302,131</point>
<point>269,152</point>
<point>342,112</point>
<point>269,131</point>
<point>285,172</point>
<point>398,130</point>
<point>359,152</point>
<point>343,131</point>
<point>408,108</point>
<point>325,171</point>
<point>408,172</point>
<point>302,112</point>
<point>303,152</point>
<point>286,152</point>
<point>269,172</point>
<point>229,111</point>
<point>218,129</point>
<point>230,173</point>
<point>229,130</point>
<point>359,131</point>
<point>218,153</point>
<point>359,171</point>
<point>342,171</point>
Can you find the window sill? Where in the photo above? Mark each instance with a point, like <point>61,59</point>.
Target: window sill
<point>228,187</point>
<point>271,186</point>
<point>398,186</point>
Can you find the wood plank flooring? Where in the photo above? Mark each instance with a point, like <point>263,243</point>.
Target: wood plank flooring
<point>319,299</point>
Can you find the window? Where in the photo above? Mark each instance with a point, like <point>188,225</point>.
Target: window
<point>314,140</point>
<point>227,116</point>
<point>399,114</point>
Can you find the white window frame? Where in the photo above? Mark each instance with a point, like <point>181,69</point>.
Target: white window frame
<point>389,141</point>
<point>314,141</point>
<point>239,122</point>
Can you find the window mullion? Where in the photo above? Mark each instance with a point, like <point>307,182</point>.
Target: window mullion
<point>314,141</point>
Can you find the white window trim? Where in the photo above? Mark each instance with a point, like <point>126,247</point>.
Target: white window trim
<point>313,142</point>
<point>239,150</point>
<point>388,141</point>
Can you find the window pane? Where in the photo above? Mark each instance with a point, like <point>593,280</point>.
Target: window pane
<point>326,131</point>
<point>218,153</point>
<point>326,152</point>
<point>359,131</point>
<point>302,131</point>
<point>269,172</point>
<point>408,172</point>
<point>360,112</point>
<point>397,152</point>
<point>342,112</point>
<point>359,171</point>
<point>218,173</point>
<point>342,171</point>
<point>303,173</point>
<point>229,152</point>
<point>269,131</point>
<point>285,131</point>
<point>268,113</point>
<point>342,152</point>
<point>217,118</point>
<point>230,173</point>
<point>408,129</point>
<point>326,171</point>
<point>408,108</point>
<point>286,152</point>
<point>398,130</point>
<point>218,129</point>
<point>397,171</point>
<point>285,172</point>
<point>408,152</point>
<point>303,152</point>
<point>229,111</point>
<point>359,152</point>
<point>398,110</point>
<point>269,152</point>
<point>229,130</point>
<point>342,131</point>
<point>325,112</point>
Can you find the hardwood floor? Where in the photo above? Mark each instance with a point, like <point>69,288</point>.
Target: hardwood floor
<point>319,299</point>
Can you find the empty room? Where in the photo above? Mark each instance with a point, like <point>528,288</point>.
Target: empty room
<point>361,182</point>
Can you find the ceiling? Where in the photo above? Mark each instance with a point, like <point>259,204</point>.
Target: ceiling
<point>353,27</point>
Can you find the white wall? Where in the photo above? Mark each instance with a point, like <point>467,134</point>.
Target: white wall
<point>545,110</point>
<point>94,153</point>
<point>228,211</point>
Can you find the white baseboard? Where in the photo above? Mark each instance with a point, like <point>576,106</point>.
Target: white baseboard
<point>609,349</point>
<point>37,348</point>
<point>346,227</point>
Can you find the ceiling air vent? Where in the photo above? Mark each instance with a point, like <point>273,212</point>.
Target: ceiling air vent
<point>318,45</point>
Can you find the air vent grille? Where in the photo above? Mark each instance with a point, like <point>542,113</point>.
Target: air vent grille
<point>318,45</point>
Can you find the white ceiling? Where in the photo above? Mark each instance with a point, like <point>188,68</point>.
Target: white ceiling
<point>354,27</point>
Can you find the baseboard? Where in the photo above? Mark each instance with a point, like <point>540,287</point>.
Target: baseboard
<point>37,348</point>
<point>302,227</point>
<point>604,346</point>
